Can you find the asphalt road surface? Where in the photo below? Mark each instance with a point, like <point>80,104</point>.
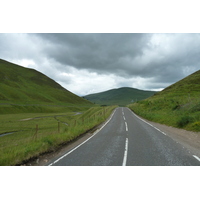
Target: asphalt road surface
<point>127,140</point>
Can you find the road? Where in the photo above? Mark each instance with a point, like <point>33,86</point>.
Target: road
<point>127,140</point>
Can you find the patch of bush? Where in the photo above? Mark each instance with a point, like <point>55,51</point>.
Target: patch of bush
<point>184,120</point>
<point>196,126</point>
<point>195,108</point>
<point>176,107</point>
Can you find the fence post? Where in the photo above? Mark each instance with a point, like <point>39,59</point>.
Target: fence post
<point>36,131</point>
<point>58,127</point>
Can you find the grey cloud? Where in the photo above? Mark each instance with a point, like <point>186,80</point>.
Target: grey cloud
<point>106,53</point>
<point>125,54</point>
<point>19,46</point>
<point>152,60</point>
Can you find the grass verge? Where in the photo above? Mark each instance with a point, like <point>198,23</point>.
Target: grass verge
<point>177,111</point>
<point>34,134</point>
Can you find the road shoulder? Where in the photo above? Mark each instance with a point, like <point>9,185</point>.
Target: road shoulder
<point>188,139</point>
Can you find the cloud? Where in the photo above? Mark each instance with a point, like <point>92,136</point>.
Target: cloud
<point>83,82</point>
<point>103,53</point>
<point>87,63</point>
<point>125,54</point>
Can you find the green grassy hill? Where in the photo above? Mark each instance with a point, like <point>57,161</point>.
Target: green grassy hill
<point>121,96</point>
<point>37,115</point>
<point>177,105</point>
<point>21,86</point>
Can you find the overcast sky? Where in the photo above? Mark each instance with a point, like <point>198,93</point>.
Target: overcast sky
<point>90,63</point>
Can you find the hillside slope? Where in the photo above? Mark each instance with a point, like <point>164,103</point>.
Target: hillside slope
<point>177,105</point>
<point>19,85</point>
<point>121,96</point>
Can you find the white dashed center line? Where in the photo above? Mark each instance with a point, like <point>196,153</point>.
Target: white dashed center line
<point>125,153</point>
<point>126,126</point>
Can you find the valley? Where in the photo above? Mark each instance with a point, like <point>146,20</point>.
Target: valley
<point>39,116</point>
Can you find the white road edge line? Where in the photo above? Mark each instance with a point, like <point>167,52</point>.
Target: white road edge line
<point>125,153</point>
<point>126,126</point>
<point>149,123</point>
<point>82,142</point>
<point>196,157</point>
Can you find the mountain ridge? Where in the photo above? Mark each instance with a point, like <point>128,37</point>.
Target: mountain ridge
<point>20,85</point>
<point>119,96</point>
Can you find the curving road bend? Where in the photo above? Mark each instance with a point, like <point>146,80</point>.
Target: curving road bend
<point>127,140</point>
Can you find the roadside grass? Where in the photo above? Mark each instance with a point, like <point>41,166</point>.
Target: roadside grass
<point>177,105</point>
<point>180,112</point>
<point>88,120</point>
<point>36,133</point>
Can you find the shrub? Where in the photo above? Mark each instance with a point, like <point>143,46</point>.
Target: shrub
<point>176,107</point>
<point>195,108</point>
<point>184,120</point>
<point>196,126</point>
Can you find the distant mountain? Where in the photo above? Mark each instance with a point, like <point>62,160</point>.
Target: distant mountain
<point>177,105</point>
<point>20,85</point>
<point>121,96</point>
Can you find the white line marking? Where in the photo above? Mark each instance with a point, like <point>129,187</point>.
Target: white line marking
<point>158,129</point>
<point>82,142</point>
<point>125,153</point>
<point>124,118</point>
<point>126,126</point>
<point>123,111</point>
<point>196,157</point>
<point>149,124</point>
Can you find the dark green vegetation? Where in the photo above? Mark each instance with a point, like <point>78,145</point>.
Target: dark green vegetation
<point>178,105</point>
<point>25,90</point>
<point>122,96</point>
